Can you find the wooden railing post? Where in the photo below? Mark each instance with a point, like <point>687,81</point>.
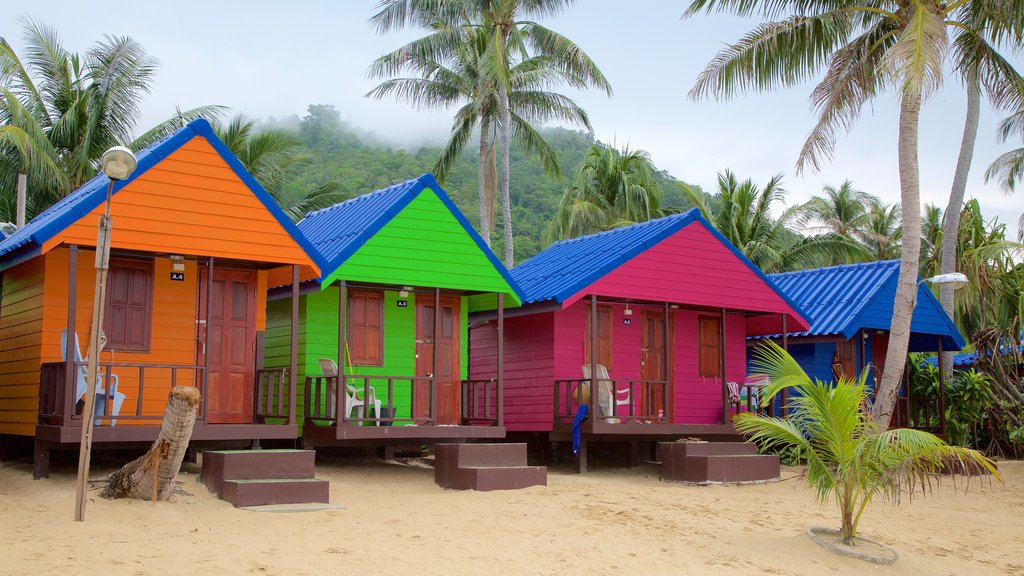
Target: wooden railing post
<point>500,391</point>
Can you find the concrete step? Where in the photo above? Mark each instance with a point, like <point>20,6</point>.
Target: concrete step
<point>709,448</point>
<point>485,479</point>
<point>492,454</point>
<point>276,491</point>
<point>222,465</point>
<point>724,469</point>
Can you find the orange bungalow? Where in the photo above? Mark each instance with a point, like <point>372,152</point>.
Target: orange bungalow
<point>194,239</point>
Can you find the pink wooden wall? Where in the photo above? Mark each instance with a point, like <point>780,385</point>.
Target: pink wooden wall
<point>529,372</point>
<point>694,267</point>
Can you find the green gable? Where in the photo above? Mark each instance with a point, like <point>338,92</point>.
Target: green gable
<point>424,245</point>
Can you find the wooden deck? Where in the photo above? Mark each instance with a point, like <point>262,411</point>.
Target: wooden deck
<point>314,436</point>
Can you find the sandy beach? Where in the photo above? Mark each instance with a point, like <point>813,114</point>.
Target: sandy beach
<point>395,520</point>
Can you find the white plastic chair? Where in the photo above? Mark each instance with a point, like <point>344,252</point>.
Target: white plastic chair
<point>352,400</point>
<point>82,376</point>
<point>606,404</point>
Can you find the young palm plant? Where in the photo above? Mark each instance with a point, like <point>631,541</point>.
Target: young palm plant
<point>850,458</point>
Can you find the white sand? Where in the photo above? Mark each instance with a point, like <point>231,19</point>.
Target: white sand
<point>397,521</point>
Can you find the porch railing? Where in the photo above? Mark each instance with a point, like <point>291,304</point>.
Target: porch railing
<point>58,404</point>
<point>917,412</point>
<point>480,402</point>
<point>321,399</point>
<point>630,400</point>
<point>272,393</point>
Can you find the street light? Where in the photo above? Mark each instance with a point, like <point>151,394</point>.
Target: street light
<point>118,164</point>
<point>953,279</point>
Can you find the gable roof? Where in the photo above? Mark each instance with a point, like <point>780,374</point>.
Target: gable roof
<point>338,232</point>
<point>28,241</point>
<point>570,266</point>
<point>840,300</point>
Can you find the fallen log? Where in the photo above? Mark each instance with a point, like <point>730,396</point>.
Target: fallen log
<point>151,476</point>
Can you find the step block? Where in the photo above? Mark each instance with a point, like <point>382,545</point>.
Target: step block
<point>222,465</point>
<point>276,491</point>
<point>685,449</point>
<point>485,479</point>
<point>726,469</point>
<point>493,454</point>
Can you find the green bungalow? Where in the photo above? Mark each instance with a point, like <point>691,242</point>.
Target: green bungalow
<point>394,258</point>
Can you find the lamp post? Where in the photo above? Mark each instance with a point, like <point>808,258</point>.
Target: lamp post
<point>118,164</point>
<point>954,280</point>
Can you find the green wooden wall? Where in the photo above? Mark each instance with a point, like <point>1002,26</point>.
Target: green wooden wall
<point>318,338</point>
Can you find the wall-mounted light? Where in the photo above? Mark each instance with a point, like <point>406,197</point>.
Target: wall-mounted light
<point>404,292</point>
<point>177,262</point>
<point>627,311</point>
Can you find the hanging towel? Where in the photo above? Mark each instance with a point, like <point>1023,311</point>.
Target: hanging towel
<point>581,415</point>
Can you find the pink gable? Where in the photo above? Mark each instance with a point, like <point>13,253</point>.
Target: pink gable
<point>694,267</point>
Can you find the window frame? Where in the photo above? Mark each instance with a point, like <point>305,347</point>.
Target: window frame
<point>702,347</point>
<point>147,328</point>
<point>350,328</point>
<point>603,311</point>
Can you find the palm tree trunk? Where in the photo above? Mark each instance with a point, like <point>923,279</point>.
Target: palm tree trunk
<point>910,254</point>
<point>485,216</point>
<point>506,202</point>
<point>956,201</point>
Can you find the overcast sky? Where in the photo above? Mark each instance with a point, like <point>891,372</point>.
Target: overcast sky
<point>275,58</point>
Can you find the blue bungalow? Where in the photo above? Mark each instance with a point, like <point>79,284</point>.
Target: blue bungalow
<point>850,309</point>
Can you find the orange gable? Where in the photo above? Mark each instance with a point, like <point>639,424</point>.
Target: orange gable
<point>191,203</point>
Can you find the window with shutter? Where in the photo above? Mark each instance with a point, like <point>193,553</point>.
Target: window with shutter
<point>127,321</point>
<point>366,327</point>
<point>710,343</point>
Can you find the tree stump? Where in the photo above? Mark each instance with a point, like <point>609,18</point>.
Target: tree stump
<point>152,475</point>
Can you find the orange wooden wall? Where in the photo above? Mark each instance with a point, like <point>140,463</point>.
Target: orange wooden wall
<point>21,321</point>
<point>193,203</point>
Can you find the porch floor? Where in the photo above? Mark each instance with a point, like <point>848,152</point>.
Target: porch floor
<point>313,435</point>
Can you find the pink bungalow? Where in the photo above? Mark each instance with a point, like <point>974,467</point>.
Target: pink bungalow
<point>674,280</point>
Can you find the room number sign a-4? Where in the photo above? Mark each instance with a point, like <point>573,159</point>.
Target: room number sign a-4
<point>178,276</point>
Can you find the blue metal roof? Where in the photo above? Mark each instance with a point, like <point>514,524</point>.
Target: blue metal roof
<point>27,242</point>
<point>569,266</point>
<point>337,232</point>
<point>967,359</point>
<point>841,300</point>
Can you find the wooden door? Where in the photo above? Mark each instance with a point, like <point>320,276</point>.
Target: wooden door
<point>652,363</point>
<point>229,345</point>
<point>879,347</point>
<point>447,372</point>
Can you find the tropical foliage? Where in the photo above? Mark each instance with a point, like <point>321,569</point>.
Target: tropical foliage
<point>610,189</point>
<point>850,458</point>
<point>60,110</point>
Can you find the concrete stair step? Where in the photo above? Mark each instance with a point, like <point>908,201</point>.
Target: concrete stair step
<point>725,469</point>
<point>276,491</point>
<point>222,465</point>
<point>711,448</point>
<point>483,454</point>
<point>487,478</point>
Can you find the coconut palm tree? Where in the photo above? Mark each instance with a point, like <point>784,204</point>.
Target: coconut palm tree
<point>842,211</point>
<point>863,47</point>
<point>461,80</point>
<point>610,189</point>
<point>931,240</point>
<point>1008,169</point>
<point>59,110</point>
<point>741,211</point>
<point>275,158</point>
<point>850,458</point>
<point>513,37</point>
<point>881,231</point>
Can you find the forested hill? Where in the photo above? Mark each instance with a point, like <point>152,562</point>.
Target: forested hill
<point>362,162</point>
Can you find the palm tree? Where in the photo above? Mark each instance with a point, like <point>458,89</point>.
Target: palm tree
<point>512,38</point>
<point>442,84</point>
<point>741,211</point>
<point>864,47</point>
<point>881,232</point>
<point>1008,169</point>
<point>931,240</point>
<point>850,457</point>
<point>842,211</point>
<point>275,158</point>
<point>59,111</point>
<point>610,189</point>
